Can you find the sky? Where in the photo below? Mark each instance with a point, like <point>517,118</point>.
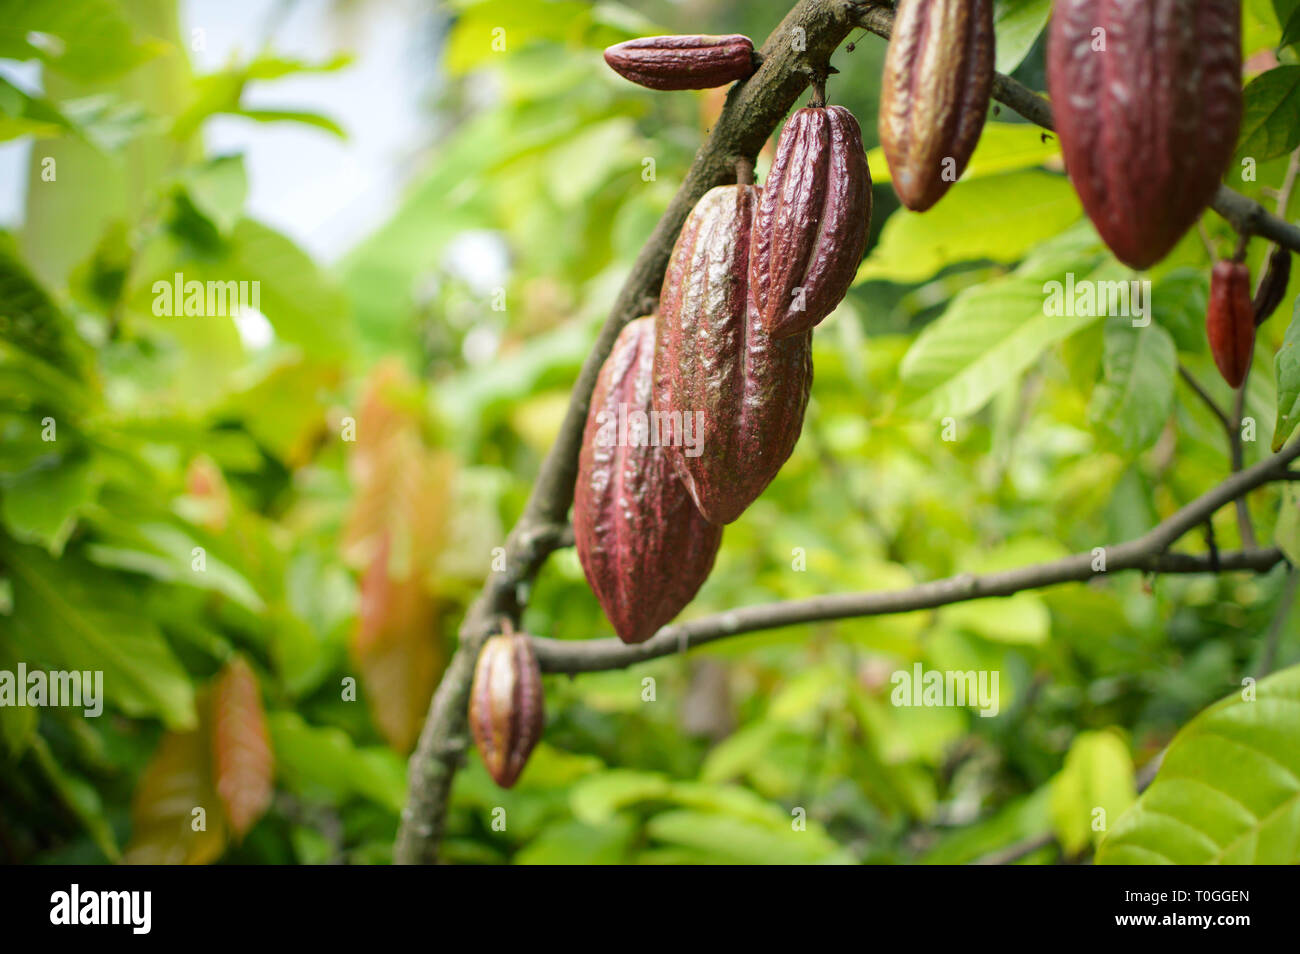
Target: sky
<point>377,100</point>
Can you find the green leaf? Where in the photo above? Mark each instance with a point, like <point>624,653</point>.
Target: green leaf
<point>1136,395</point>
<point>1093,790</point>
<point>42,505</point>
<point>67,610</point>
<point>598,798</point>
<point>317,760</point>
<point>989,335</point>
<point>1286,532</point>
<point>1017,24</point>
<point>973,222</point>
<point>577,843</point>
<point>1228,791</point>
<point>740,841</point>
<point>1287,368</point>
<point>86,40</point>
<point>305,117</point>
<point>1021,619</point>
<point>1271,124</point>
<point>217,189</point>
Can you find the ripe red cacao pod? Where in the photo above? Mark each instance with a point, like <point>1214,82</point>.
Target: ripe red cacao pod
<point>935,94</point>
<point>1230,321</point>
<point>644,546</point>
<point>505,705</point>
<point>1148,124</point>
<point>810,228</point>
<point>715,363</point>
<point>683,62</point>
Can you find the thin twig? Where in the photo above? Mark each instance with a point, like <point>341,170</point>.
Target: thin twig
<point>1206,398</point>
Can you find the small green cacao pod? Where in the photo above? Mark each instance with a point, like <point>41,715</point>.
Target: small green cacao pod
<point>645,548</point>
<point>810,228</point>
<point>683,62</point>
<point>505,705</point>
<point>935,94</point>
<point>715,365</point>
<point>1230,321</point>
<point>1147,99</point>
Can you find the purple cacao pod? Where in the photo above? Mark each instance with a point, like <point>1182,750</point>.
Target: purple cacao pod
<point>683,62</point>
<point>810,228</point>
<point>1147,98</point>
<point>505,705</point>
<point>935,95</point>
<point>717,366</point>
<point>644,546</point>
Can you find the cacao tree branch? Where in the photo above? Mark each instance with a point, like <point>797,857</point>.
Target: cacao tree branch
<point>804,41</point>
<point>1148,553</point>
<point>1245,215</point>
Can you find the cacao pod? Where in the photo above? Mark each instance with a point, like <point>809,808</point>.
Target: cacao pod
<point>1230,321</point>
<point>811,225</point>
<point>683,62</point>
<point>715,364</point>
<point>935,94</point>
<point>644,546</point>
<point>1271,291</point>
<point>505,705</point>
<point>1148,124</point>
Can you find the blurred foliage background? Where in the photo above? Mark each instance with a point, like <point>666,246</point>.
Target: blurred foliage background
<point>263,528</point>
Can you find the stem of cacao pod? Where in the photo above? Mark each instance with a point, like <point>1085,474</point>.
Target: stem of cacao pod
<point>744,170</point>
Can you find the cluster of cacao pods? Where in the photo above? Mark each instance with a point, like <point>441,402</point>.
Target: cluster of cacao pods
<point>727,359</point>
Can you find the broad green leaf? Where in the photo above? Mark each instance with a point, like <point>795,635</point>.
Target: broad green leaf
<point>80,797</point>
<point>973,222</point>
<point>1093,790</point>
<point>319,761</point>
<point>598,798</point>
<point>42,505</point>
<point>302,116</point>
<point>1287,368</point>
<point>1228,791</point>
<point>577,843</point>
<point>1271,124</point>
<point>989,335</point>
<point>498,27</point>
<point>1136,395</point>
<point>1017,24</point>
<point>83,39</point>
<point>739,841</point>
<point>61,614</point>
<point>1019,619</point>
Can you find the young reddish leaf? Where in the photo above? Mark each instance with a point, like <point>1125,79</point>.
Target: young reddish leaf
<point>242,761</point>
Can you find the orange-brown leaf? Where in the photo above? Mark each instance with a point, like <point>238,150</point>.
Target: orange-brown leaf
<point>242,761</point>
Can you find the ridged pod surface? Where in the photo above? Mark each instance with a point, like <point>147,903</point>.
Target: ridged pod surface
<point>1149,124</point>
<point>811,225</point>
<point>505,705</point>
<point>644,546</point>
<point>683,62</point>
<point>714,361</point>
<point>935,94</point>
<point>1230,321</point>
